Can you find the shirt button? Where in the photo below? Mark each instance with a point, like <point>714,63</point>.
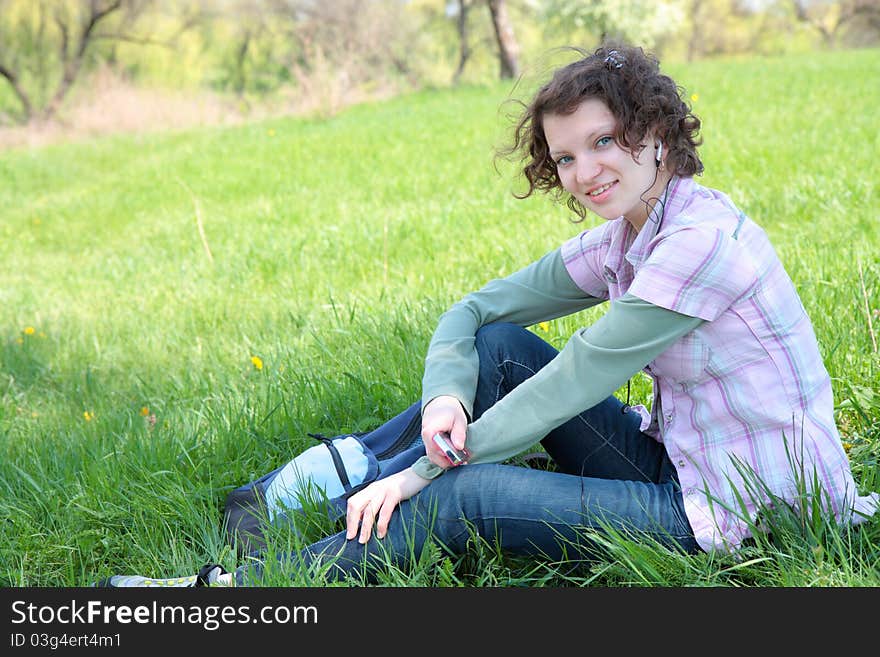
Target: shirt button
<point>681,463</point>
<point>690,491</point>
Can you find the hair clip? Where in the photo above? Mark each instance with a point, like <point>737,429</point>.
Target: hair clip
<point>614,59</point>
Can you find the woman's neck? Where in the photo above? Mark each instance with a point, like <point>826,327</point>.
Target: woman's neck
<point>656,194</point>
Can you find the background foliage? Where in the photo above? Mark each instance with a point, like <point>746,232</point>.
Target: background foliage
<point>316,57</point>
<point>181,308</point>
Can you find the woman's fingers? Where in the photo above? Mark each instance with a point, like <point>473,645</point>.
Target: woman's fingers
<point>443,414</point>
<point>353,514</point>
<point>431,450</point>
<point>435,455</point>
<point>359,511</point>
<point>377,502</point>
<point>367,523</point>
<point>362,513</point>
<point>458,434</point>
<point>385,513</point>
<point>359,515</point>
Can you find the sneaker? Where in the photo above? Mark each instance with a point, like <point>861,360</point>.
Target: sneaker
<point>207,576</point>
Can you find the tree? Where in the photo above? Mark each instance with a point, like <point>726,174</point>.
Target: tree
<point>508,48</point>
<point>639,21</point>
<point>829,18</point>
<point>697,17</point>
<point>28,35</point>
<point>342,50</point>
<point>464,41</point>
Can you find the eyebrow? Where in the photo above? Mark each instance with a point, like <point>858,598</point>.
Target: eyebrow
<point>604,130</point>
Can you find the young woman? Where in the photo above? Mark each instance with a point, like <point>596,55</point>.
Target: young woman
<point>742,413</point>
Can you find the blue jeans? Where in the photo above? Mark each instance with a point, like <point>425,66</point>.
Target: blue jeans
<point>608,475</point>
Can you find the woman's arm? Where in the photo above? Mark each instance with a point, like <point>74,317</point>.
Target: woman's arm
<point>596,361</point>
<point>541,291</point>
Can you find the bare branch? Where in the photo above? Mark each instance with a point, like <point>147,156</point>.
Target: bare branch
<point>848,11</point>
<point>65,37</point>
<point>73,63</point>
<point>95,16</point>
<point>130,38</point>
<point>12,78</point>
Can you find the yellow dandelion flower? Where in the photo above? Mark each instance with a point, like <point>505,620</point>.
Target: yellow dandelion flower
<point>87,416</point>
<point>145,411</point>
<point>29,330</point>
<point>544,326</point>
<point>19,340</point>
<point>847,447</point>
<point>257,361</point>
<point>270,132</point>
<point>695,98</point>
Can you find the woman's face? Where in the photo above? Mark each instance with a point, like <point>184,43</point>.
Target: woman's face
<point>601,175</point>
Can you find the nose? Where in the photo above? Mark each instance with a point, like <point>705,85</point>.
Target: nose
<point>588,168</point>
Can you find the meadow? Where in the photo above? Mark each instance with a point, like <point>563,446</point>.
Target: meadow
<point>180,309</point>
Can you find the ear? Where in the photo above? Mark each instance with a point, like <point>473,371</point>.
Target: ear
<point>653,140</point>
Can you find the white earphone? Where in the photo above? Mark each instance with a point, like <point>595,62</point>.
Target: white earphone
<point>659,155</point>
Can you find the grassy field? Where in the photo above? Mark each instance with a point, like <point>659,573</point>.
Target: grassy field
<point>180,309</point>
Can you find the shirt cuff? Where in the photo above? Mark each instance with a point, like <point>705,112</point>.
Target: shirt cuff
<point>426,468</point>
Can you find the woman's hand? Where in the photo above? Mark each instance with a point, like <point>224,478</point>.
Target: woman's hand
<point>377,502</point>
<point>443,414</point>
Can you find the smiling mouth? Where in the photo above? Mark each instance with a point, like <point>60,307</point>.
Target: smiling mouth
<point>600,190</point>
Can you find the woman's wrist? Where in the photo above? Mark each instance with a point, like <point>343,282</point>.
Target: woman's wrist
<point>412,482</point>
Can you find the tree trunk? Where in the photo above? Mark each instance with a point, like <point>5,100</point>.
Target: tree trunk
<point>240,82</point>
<point>464,46</point>
<point>508,48</point>
<point>73,62</point>
<point>694,42</point>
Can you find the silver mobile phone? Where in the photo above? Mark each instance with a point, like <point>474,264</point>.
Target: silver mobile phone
<point>455,456</point>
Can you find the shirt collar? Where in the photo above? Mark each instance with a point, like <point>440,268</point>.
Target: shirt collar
<point>677,192</point>
<point>632,246</point>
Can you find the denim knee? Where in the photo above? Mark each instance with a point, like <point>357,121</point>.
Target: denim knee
<point>490,336</point>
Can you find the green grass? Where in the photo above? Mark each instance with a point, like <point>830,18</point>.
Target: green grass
<point>330,249</point>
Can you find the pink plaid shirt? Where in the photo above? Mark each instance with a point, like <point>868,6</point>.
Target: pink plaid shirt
<point>744,399</point>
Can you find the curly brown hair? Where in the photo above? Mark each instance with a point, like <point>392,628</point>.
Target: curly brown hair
<point>643,100</point>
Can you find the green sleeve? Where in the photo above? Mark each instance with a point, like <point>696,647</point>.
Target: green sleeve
<point>595,362</point>
<point>539,292</point>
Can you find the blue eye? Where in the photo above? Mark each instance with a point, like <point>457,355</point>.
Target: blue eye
<point>563,160</point>
<point>604,141</point>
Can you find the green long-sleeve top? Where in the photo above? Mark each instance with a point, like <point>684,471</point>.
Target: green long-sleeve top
<point>595,362</point>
